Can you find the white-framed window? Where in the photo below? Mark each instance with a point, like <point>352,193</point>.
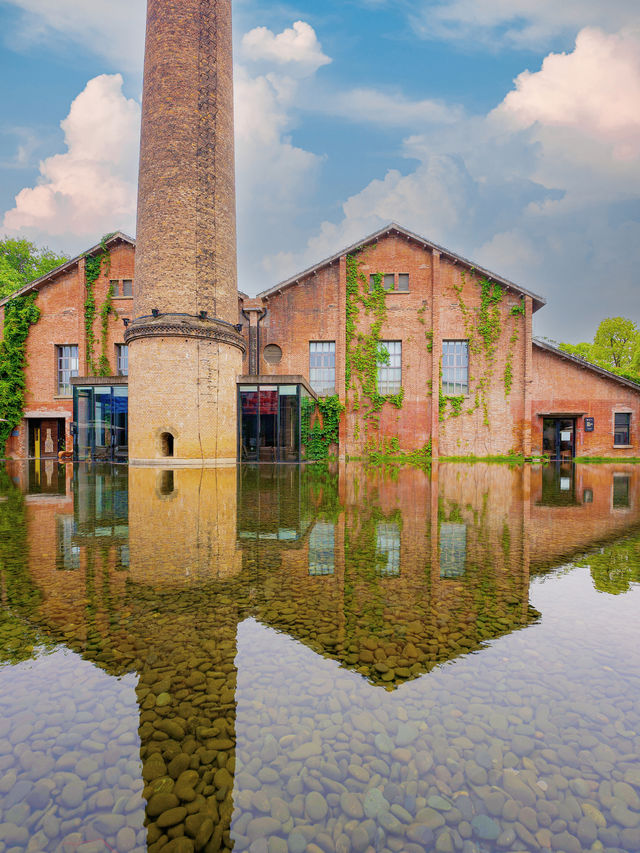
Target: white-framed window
<point>621,429</point>
<point>322,549</point>
<point>122,357</point>
<point>388,549</point>
<point>322,367</point>
<point>455,368</point>
<point>390,367</point>
<point>67,366</point>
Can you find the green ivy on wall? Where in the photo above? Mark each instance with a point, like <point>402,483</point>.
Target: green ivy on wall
<point>19,315</point>
<point>317,439</point>
<point>94,266</point>
<point>364,352</point>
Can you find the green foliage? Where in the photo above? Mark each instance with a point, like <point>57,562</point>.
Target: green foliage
<point>94,266</point>
<point>616,567</point>
<point>615,343</point>
<point>364,353</point>
<point>615,347</point>
<point>104,369</point>
<point>19,315</point>
<point>317,439</point>
<point>389,452</point>
<point>22,262</point>
<point>455,402</point>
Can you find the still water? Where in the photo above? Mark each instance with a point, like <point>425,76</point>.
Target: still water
<point>285,659</point>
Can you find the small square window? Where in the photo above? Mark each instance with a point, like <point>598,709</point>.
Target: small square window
<point>403,281</point>
<point>389,281</point>
<point>127,287</point>
<point>115,287</point>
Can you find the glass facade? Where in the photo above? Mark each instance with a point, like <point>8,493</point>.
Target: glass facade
<point>269,423</point>
<point>100,414</point>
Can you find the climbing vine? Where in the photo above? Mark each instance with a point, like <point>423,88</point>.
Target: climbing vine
<point>364,352</point>
<point>93,267</point>
<point>325,431</point>
<point>104,368</point>
<point>19,315</point>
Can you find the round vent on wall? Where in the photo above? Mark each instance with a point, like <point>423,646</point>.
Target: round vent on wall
<point>272,354</point>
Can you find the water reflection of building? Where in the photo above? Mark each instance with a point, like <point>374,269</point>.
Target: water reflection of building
<point>387,575</point>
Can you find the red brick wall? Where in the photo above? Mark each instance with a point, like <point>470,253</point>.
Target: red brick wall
<point>314,310</point>
<point>562,386</point>
<point>61,304</point>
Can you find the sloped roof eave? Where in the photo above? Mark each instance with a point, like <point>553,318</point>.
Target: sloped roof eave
<point>586,365</point>
<point>538,301</point>
<point>65,267</point>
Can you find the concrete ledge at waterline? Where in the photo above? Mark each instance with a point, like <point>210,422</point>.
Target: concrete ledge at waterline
<point>168,462</point>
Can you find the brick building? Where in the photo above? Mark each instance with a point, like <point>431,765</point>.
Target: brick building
<point>422,347</point>
<point>57,345</point>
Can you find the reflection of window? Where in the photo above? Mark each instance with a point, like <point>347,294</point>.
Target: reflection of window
<point>67,367</point>
<point>455,368</point>
<point>390,367</point>
<point>322,367</point>
<point>587,496</point>
<point>388,549</point>
<point>68,553</point>
<point>622,429</point>
<point>453,549</point>
<point>322,549</point>
<point>122,563</point>
<point>621,490</point>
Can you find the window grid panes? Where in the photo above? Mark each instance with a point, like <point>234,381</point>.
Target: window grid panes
<point>122,351</point>
<point>390,371</point>
<point>622,428</point>
<point>322,367</point>
<point>67,367</point>
<point>455,368</point>
<point>403,281</point>
<point>127,287</point>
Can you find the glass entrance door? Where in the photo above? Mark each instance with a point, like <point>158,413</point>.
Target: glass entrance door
<point>269,423</point>
<point>559,438</point>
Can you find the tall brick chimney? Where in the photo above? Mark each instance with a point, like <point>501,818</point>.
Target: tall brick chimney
<point>185,353</point>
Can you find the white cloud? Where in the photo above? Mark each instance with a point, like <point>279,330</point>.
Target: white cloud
<point>518,23</point>
<point>91,187</point>
<point>595,90</point>
<point>297,48</point>
<point>544,190</point>
<point>385,109</point>
<point>111,29</point>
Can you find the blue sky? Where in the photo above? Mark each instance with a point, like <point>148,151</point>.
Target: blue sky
<point>506,130</point>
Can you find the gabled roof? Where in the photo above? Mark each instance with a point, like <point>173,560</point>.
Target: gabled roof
<point>36,284</point>
<point>394,228</point>
<point>586,365</point>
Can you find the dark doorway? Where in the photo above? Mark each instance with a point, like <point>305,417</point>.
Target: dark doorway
<point>46,438</point>
<point>559,438</point>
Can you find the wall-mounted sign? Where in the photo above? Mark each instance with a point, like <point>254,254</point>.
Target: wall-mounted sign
<point>589,424</point>
<point>565,435</point>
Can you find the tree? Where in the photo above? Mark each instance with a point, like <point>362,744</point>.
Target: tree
<point>616,347</point>
<point>615,343</point>
<point>22,261</point>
